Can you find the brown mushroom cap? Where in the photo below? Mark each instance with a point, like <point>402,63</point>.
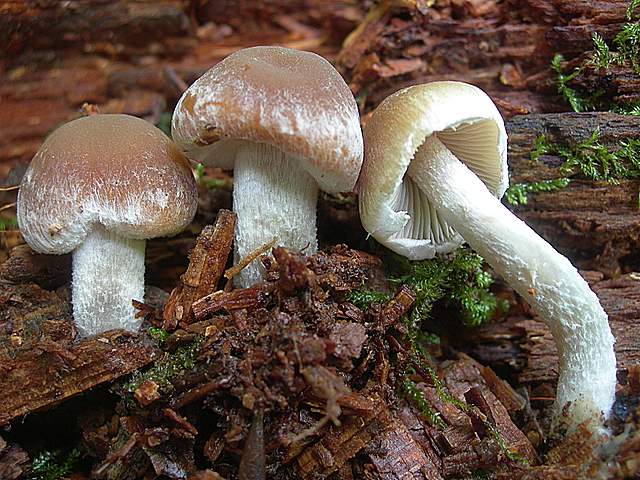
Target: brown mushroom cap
<point>115,170</point>
<point>291,99</point>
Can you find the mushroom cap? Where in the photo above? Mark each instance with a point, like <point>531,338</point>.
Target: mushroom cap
<point>115,170</point>
<point>465,120</point>
<point>291,99</point>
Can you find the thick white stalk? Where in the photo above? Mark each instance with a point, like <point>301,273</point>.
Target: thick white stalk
<point>274,198</point>
<point>547,280</point>
<point>108,272</point>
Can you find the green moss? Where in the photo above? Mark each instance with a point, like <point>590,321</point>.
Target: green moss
<point>624,51</point>
<point>164,123</point>
<point>54,464</point>
<point>208,182</point>
<point>158,334</point>
<point>167,367</point>
<point>457,279</point>
<point>591,159</point>
<point>8,223</point>
<point>571,96</point>
<point>517,194</point>
<point>363,298</point>
<point>416,396</point>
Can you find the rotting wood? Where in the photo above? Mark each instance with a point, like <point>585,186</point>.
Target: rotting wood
<point>34,380</point>
<point>25,266</point>
<point>524,346</point>
<point>596,224</point>
<point>13,461</point>
<point>236,299</point>
<point>206,266</point>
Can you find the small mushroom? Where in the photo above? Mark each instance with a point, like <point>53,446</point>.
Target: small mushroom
<point>99,186</point>
<point>286,122</point>
<point>435,168</point>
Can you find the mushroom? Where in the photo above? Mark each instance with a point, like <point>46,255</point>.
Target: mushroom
<point>434,170</point>
<point>99,186</point>
<point>287,124</point>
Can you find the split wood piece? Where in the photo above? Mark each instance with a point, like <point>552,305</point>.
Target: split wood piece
<point>35,380</point>
<point>465,380</point>
<point>252,463</point>
<point>525,347</point>
<point>233,300</point>
<point>397,306</point>
<point>206,265</point>
<point>342,443</point>
<point>397,454</point>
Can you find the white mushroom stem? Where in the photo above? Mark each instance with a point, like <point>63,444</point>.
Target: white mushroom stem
<point>274,198</point>
<point>108,273</point>
<point>547,280</point>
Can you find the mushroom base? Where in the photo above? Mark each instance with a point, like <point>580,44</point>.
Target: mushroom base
<point>543,277</point>
<point>274,198</point>
<point>108,272</point>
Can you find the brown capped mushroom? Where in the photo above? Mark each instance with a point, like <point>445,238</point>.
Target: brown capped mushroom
<point>286,122</point>
<point>99,186</point>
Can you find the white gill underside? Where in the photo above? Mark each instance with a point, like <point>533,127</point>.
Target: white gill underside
<point>424,221</point>
<point>274,198</point>
<point>473,144</point>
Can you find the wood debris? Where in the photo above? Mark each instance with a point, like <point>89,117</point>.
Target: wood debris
<point>13,461</point>
<point>207,262</point>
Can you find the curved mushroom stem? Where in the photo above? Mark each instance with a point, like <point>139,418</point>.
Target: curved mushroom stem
<point>274,198</point>
<point>547,280</point>
<point>108,272</point>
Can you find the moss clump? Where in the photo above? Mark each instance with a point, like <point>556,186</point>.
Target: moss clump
<point>626,44</point>
<point>167,367</point>
<point>458,279</point>
<point>54,464</point>
<point>517,194</point>
<point>158,334</point>
<point>570,95</point>
<point>593,160</point>
<point>625,51</point>
<point>363,298</point>
<point>8,223</point>
<point>589,158</point>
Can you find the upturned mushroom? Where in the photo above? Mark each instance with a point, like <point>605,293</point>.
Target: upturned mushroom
<point>98,187</point>
<point>287,124</point>
<point>434,170</point>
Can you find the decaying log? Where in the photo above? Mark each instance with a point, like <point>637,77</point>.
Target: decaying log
<point>26,266</point>
<point>134,56</point>
<point>206,266</point>
<point>503,47</point>
<point>40,364</point>
<point>596,224</point>
<point>525,348</point>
